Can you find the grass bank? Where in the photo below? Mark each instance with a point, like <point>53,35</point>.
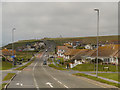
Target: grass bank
<point>6,65</point>
<point>113,76</point>
<point>97,79</point>
<point>8,76</point>
<point>90,67</point>
<point>55,67</point>
<point>22,67</point>
<point>2,86</point>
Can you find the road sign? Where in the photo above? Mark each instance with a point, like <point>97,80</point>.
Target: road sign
<point>12,56</point>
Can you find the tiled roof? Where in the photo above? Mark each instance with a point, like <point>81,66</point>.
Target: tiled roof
<point>7,52</point>
<point>72,51</point>
<point>81,53</point>
<point>68,45</point>
<point>106,51</point>
<point>62,48</point>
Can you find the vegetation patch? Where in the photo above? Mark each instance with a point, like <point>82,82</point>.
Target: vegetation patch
<point>8,76</point>
<point>55,67</point>
<point>22,67</point>
<point>2,86</point>
<point>6,65</point>
<point>90,67</point>
<point>113,76</point>
<point>97,79</point>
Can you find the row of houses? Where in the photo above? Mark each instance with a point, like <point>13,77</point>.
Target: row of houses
<point>31,47</point>
<point>107,54</point>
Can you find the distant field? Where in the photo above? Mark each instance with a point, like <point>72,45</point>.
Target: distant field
<point>20,43</point>
<point>60,41</point>
<point>85,40</point>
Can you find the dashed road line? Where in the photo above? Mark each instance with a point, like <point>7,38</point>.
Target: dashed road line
<point>54,77</point>
<point>36,85</point>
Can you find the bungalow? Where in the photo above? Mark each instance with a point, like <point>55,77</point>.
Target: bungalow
<point>61,50</point>
<point>88,46</point>
<point>108,53</point>
<point>80,56</point>
<point>70,53</point>
<point>69,45</point>
<point>7,52</point>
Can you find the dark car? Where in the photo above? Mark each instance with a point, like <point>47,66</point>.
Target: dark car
<point>44,62</point>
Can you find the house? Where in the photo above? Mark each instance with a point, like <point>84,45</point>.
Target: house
<point>88,46</point>
<point>80,56</point>
<point>69,45</point>
<point>70,53</point>
<point>61,50</point>
<point>7,52</point>
<point>109,54</point>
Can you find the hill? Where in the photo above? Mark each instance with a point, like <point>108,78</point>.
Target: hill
<point>86,40</point>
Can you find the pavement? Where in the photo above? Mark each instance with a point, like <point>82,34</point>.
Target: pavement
<point>3,73</point>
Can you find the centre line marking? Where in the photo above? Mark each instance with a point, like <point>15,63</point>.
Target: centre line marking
<point>54,78</point>
<point>34,77</point>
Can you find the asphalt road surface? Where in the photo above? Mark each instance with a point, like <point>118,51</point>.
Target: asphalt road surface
<point>39,76</point>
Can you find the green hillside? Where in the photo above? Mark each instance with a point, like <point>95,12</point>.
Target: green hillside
<point>85,40</point>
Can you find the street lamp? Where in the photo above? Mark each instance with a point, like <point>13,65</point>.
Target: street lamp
<point>13,44</point>
<point>97,10</point>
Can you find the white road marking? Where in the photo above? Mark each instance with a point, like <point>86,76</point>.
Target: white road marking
<point>17,83</point>
<point>48,83</point>
<point>21,84</point>
<point>34,77</point>
<point>54,78</point>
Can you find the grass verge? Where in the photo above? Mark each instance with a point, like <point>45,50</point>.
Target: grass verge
<point>55,67</point>
<point>90,67</point>
<point>2,86</point>
<point>97,79</point>
<point>8,76</point>
<point>6,65</point>
<point>113,76</point>
<point>22,67</point>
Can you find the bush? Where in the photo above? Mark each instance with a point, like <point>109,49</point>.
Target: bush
<point>3,58</point>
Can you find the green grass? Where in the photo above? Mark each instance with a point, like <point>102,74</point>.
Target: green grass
<point>2,86</point>
<point>25,55</point>
<point>8,76</point>
<point>55,67</point>
<point>113,76</point>
<point>20,43</point>
<point>85,40</point>
<point>90,67</point>
<point>21,68</point>
<point>6,65</point>
<point>97,79</point>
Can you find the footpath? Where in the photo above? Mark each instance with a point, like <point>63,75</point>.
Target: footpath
<point>3,73</point>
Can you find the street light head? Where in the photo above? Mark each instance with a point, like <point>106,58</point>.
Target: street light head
<point>14,29</point>
<point>96,9</point>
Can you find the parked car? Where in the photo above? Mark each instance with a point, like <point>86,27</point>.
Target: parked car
<point>44,62</point>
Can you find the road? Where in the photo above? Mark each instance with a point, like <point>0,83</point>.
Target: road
<point>38,76</point>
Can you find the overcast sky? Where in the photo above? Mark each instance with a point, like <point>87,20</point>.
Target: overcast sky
<point>39,19</point>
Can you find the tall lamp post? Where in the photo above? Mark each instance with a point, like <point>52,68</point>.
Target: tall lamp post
<point>97,10</point>
<point>13,43</point>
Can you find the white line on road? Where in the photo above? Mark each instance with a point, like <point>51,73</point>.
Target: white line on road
<point>34,77</point>
<point>48,83</point>
<point>54,78</point>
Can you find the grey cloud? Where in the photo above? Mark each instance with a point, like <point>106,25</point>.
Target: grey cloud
<point>55,19</point>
